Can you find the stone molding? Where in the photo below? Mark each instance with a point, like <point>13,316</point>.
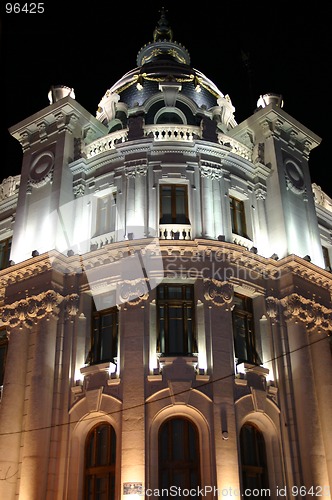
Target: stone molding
<point>133,292</point>
<point>9,186</point>
<point>27,311</point>
<point>218,292</point>
<point>210,172</point>
<point>298,308</point>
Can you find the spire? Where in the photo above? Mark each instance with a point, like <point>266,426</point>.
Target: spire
<point>162,30</point>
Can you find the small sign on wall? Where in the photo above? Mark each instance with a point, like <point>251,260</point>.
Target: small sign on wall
<point>132,488</point>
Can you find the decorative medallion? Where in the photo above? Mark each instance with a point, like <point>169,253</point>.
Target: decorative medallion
<point>41,169</point>
<point>294,176</point>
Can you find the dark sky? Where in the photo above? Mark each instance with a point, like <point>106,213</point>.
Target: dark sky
<point>90,45</point>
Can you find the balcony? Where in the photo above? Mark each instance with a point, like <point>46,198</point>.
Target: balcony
<point>175,232</point>
<point>166,132</point>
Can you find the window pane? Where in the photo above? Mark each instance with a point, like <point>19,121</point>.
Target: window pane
<point>166,204</point>
<point>253,458</point>
<point>176,331</point>
<point>179,462</point>
<point>90,459</point>
<point>101,488</point>
<point>104,336</point>
<point>173,204</point>
<point>177,440</point>
<point>174,292</point>
<point>100,463</point>
<point>176,320</point>
<point>240,338</point>
<point>102,445</point>
<point>5,247</point>
<point>243,330</point>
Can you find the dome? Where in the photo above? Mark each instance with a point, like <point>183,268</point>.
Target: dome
<point>164,64</point>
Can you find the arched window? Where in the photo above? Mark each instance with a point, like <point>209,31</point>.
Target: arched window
<point>179,461</point>
<point>253,460</point>
<point>99,473</point>
<point>169,117</point>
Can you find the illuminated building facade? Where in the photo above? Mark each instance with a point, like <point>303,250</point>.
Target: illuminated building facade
<point>165,296</point>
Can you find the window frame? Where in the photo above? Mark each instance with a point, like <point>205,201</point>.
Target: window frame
<point>238,212</point>
<point>95,355</point>
<point>100,470</point>
<point>171,465</point>
<point>5,245</point>
<point>185,303</point>
<point>107,202</point>
<point>247,315</point>
<point>173,197</point>
<point>326,257</point>
<point>259,469</point>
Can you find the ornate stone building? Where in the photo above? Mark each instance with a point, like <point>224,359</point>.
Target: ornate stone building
<point>165,296</point>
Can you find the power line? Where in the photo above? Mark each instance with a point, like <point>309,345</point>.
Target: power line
<point>133,407</point>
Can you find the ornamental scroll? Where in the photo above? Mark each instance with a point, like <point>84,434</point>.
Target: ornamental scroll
<point>27,311</point>
<point>315,315</point>
<point>218,292</point>
<point>133,291</point>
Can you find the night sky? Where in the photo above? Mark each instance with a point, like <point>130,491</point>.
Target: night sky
<point>245,48</point>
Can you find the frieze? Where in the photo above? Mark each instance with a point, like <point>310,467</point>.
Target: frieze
<point>136,170</point>
<point>313,314</point>
<point>27,311</point>
<point>9,186</point>
<point>210,172</point>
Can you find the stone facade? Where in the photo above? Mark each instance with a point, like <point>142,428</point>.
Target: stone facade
<point>165,265</point>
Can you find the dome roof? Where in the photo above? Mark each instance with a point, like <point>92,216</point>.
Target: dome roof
<point>163,62</point>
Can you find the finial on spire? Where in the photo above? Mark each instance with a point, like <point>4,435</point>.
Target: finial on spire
<point>162,30</point>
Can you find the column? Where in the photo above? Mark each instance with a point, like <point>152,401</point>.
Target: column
<point>307,416</point>
<point>39,407</point>
<point>219,320</point>
<point>322,367</point>
<point>217,215</point>
<point>12,410</point>
<point>261,239</point>
<point>130,201</point>
<point>206,203</point>
<point>140,200</point>
<point>133,414</point>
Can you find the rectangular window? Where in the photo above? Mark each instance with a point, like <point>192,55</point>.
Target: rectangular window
<point>5,246</point>
<point>176,320</point>
<point>104,341</point>
<point>326,256</point>
<point>106,214</point>
<point>173,204</point>
<point>238,217</point>
<point>243,330</point>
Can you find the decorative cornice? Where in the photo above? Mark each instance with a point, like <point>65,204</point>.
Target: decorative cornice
<point>9,186</point>
<point>297,308</point>
<point>26,311</point>
<point>313,314</point>
<point>136,170</point>
<point>210,172</point>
